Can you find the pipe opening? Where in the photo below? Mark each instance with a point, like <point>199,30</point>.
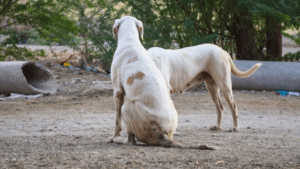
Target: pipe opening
<point>38,77</point>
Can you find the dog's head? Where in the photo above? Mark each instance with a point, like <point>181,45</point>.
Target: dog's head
<point>118,22</point>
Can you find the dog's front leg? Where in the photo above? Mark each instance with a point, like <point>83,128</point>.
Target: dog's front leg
<point>119,100</point>
<point>131,139</point>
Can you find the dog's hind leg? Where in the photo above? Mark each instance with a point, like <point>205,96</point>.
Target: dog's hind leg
<point>226,89</point>
<point>229,98</point>
<point>214,92</point>
<point>119,101</point>
<point>222,78</point>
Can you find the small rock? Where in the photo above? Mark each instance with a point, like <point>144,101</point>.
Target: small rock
<point>248,127</point>
<point>96,82</point>
<point>213,135</point>
<point>101,75</point>
<point>128,162</point>
<point>187,121</point>
<point>252,91</point>
<point>89,69</point>
<point>75,80</point>
<point>99,69</point>
<point>177,134</point>
<point>219,162</point>
<point>259,163</point>
<point>78,73</point>
<point>260,117</point>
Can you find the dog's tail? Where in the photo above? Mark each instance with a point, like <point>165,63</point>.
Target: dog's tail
<point>166,142</point>
<point>242,74</point>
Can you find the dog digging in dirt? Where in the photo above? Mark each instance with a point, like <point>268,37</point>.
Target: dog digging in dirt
<point>186,67</point>
<point>141,97</point>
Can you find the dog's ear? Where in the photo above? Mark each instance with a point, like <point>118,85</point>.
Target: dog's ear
<point>139,25</point>
<point>116,27</point>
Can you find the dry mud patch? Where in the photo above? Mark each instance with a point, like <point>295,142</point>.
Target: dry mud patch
<point>68,130</point>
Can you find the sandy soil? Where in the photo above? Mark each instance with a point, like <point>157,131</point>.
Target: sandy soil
<point>69,130</point>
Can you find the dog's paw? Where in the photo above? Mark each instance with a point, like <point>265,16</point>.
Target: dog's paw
<point>234,129</point>
<point>215,128</point>
<point>110,139</point>
<point>131,143</point>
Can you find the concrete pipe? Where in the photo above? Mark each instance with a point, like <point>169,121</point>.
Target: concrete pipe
<point>26,77</point>
<point>270,76</point>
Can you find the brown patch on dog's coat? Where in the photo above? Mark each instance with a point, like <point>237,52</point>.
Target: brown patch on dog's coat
<point>133,60</point>
<point>138,75</point>
<point>149,131</point>
<point>120,95</point>
<point>203,76</point>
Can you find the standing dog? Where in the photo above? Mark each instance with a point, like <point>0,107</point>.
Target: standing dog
<point>183,68</point>
<point>141,97</point>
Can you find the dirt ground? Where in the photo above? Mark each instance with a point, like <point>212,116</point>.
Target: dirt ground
<point>70,129</point>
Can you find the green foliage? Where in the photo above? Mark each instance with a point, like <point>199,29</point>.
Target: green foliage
<point>46,16</point>
<point>295,39</point>
<point>195,22</point>
<point>42,53</point>
<point>16,52</point>
<point>35,38</point>
<point>188,23</point>
<point>96,26</point>
<point>168,20</point>
<point>19,53</point>
<point>291,56</point>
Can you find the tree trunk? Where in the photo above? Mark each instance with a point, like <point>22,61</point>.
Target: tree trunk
<point>244,38</point>
<point>273,38</point>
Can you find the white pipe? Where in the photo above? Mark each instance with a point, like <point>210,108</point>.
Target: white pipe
<point>270,76</point>
<point>25,77</point>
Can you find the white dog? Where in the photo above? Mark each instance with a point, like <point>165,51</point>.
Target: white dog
<point>183,68</point>
<point>141,96</point>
